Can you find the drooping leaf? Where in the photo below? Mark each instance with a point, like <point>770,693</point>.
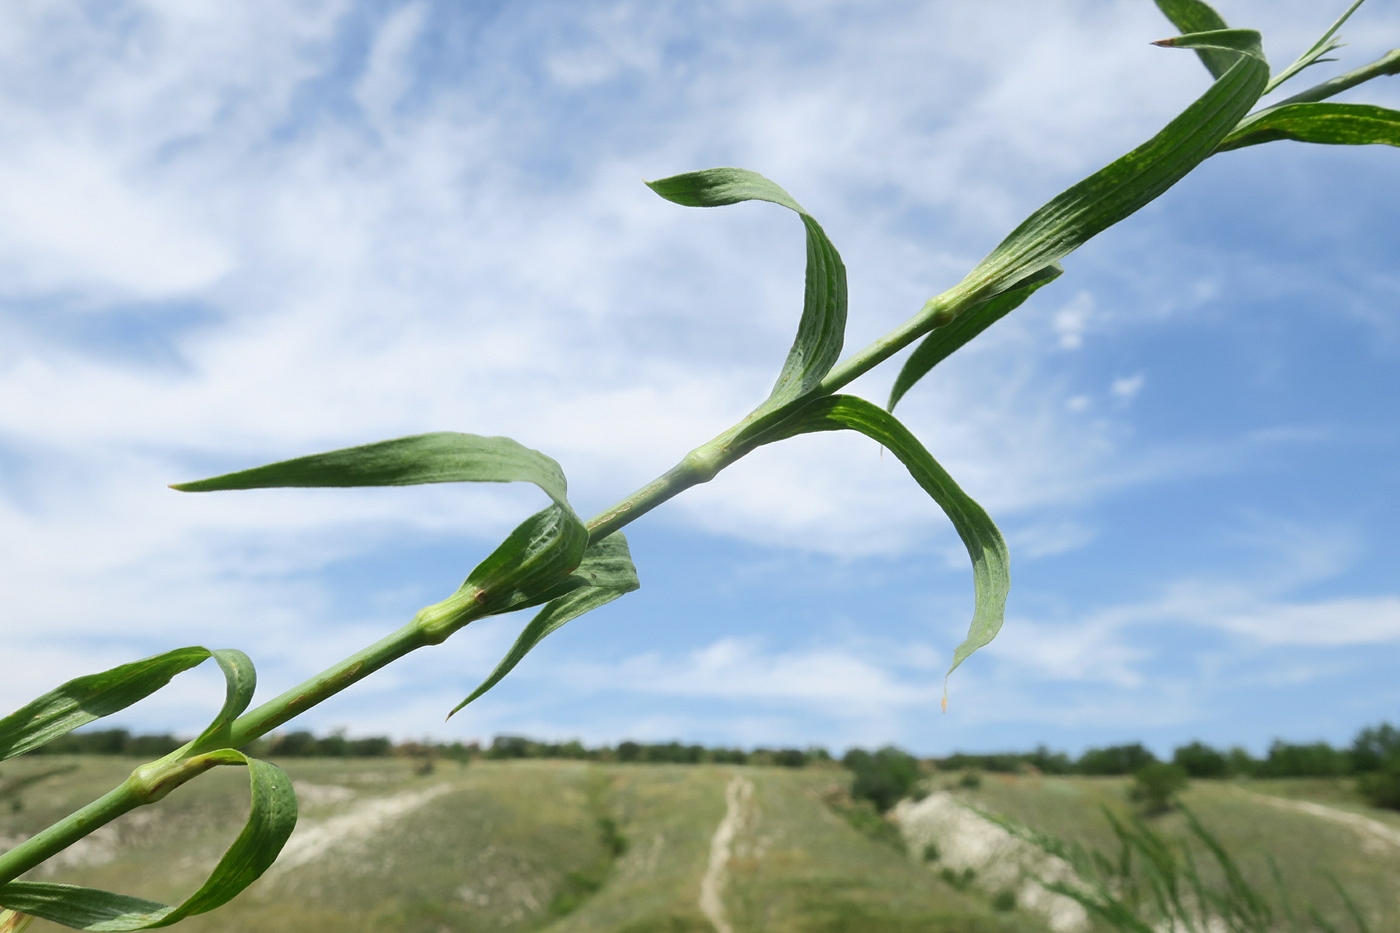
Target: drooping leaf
<point>1194,16</point>
<point>271,819</point>
<point>991,573</point>
<point>91,697</point>
<point>1313,55</point>
<point>241,680</point>
<point>537,556</point>
<point>943,341</point>
<point>1331,124</point>
<point>443,457</point>
<point>1109,195</point>
<point>822,329</point>
<point>605,573</point>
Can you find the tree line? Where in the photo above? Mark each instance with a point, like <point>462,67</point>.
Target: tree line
<point>881,776</point>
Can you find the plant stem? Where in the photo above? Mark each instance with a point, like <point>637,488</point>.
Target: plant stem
<point>1388,63</point>
<point>434,624</point>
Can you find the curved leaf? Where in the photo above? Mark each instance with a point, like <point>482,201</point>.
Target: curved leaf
<point>443,457</point>
<point>822,330</point>
<point>1194,16</point>
<point>241,679</point>
<point>943,341</point>
<point>91,697</point>
<point>1109,195</point>
<point>1330,124</point>
<point>271,819</point>
<point>991,574</point>
<point>537,557</point>
<point>606,573</point>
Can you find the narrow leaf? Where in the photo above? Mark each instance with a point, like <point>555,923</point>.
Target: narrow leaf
<point>89,698</point>
<point>821,331</point>
<point>271,819</point>
<point>1195,16</point>
<point>1319,48</point>
<point>444,457</point>
<point>606,573</point>
<point>537,556</point>
<point>1331,124</point>
<point>991,573</point>
<point>241,681</point>
<point>1118,190</point>
<point>943,341</point>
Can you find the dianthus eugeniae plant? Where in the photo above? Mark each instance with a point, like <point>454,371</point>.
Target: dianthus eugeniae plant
<point>565,566</point>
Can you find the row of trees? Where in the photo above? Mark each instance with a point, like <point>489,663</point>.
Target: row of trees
<point>1375,749</point>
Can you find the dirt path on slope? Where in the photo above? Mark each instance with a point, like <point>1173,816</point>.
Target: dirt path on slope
<point>1375,834</point>
<point>737,796</point>
<point>351,829</point>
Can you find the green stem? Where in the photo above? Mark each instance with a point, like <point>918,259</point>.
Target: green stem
<point>65,832</point>
<point>436,623</point>
<point>147,784</point>
<point>1387,64</point>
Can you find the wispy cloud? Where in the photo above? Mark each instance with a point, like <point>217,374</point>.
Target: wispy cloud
<point>341,222</point>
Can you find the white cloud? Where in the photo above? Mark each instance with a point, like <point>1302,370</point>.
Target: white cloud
<point>487,260</point>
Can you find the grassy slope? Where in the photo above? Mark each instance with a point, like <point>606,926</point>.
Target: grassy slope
<point>505,847</point>
<point>1305,848</point>
<point>511,847</point>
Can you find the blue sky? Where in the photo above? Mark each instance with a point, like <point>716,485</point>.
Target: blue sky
<point>231,234</point>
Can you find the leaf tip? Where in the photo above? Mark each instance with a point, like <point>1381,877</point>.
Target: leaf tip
<point>1167,43</point>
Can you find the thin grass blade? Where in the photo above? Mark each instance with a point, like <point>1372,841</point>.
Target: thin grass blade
<point>1319,48</point>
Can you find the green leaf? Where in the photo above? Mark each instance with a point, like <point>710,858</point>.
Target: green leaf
<point>822,329</point>
<point>1332,124</point>
<point>1319,48</point>
<point>444,457</point>
<point>271,819</point>
<point>991,575</point>
<point>89,698</point>
<point>537,557</point>
<point>605,573</point>
<point>241,681</point>
<point>1118,190</point>
<point>1194,16</point>
<point>943,341</point>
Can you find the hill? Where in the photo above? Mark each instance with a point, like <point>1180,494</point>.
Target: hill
<point>578,847</point>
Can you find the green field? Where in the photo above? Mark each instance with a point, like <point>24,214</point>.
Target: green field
<point>584,847</point>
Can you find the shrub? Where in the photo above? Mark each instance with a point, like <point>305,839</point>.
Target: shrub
<point>1381,787</point>
<point>1155,786</point>
<point>883,777</point>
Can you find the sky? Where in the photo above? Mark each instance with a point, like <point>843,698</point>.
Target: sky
<point>236,233</point>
